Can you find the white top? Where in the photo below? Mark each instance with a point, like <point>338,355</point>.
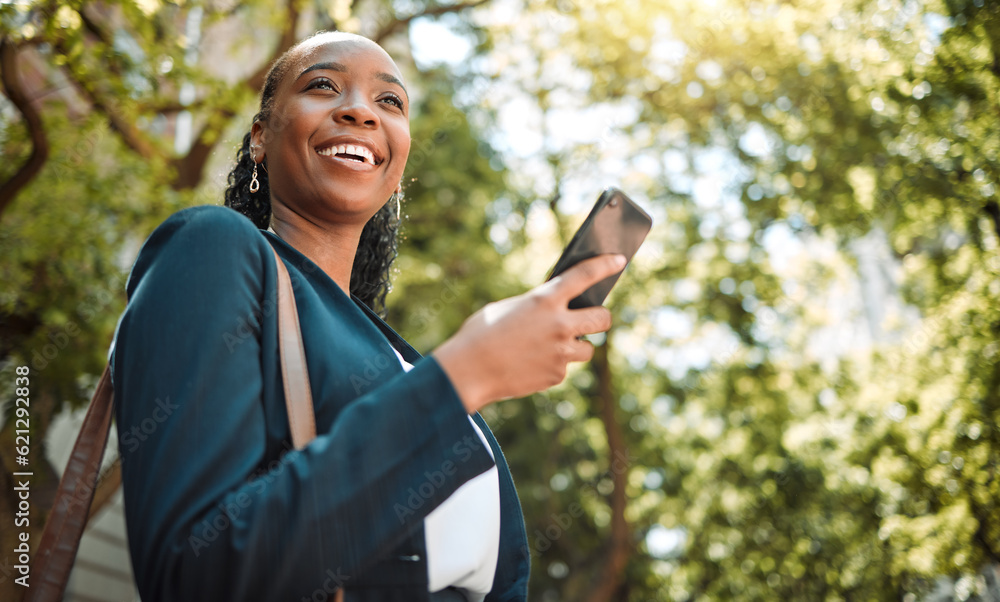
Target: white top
<point>463,533</point>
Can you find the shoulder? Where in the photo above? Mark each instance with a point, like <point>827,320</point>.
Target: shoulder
<point>206,220</point>
<point>202,236</point>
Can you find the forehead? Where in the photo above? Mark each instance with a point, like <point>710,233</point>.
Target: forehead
<point>357,54</point>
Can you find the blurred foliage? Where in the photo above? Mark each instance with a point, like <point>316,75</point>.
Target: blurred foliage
<point>446,269</point>
<point>803,369</point>
<point>807,350</point>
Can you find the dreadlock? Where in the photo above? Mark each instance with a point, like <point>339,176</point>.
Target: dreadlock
<point>378,244</point>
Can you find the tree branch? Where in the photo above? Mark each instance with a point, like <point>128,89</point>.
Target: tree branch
<point>993,210</point>
<point>95,28</point>
<point>398,24</point>
<point>169,106</point>
<point>15,91</point>
<point>982,517</point>
<point>14,329</point>
<point>113,60</point>
<point>191,167</point>
<point>129,134</point>
<point>616,558</point>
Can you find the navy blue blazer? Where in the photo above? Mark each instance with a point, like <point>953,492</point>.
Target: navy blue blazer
<point>217,504</point>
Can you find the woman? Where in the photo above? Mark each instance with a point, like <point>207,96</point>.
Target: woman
<point>404,494</point>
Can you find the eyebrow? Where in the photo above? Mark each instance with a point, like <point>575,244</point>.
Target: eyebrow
<point>340,67</point>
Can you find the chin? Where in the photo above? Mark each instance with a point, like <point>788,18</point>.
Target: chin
<point>361,205</point>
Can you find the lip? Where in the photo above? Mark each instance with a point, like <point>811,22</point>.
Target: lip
<point>377,155</point>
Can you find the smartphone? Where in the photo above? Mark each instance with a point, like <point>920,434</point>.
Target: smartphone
<point>615,225</point>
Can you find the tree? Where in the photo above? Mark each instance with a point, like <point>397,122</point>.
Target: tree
<point>777,144</point>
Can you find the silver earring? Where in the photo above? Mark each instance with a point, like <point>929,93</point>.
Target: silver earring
<point>399,210</point>
<point>254,183</point>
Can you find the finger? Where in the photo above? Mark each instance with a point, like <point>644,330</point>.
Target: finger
<point>580,277</point>
<point>576,350</point>
<point>590,320</point>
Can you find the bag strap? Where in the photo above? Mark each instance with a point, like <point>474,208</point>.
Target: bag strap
<point>294,371</point>
<point>68,518</point>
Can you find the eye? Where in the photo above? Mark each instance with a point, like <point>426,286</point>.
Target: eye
<point>392,99</point>
<point>321,83</point>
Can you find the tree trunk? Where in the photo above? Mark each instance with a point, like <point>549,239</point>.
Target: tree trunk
<point>615,559</point>
<point>14,89</point>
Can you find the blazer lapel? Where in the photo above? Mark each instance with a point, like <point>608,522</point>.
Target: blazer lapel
<point>409,353</point>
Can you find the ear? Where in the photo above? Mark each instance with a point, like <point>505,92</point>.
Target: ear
<point>257,137</point>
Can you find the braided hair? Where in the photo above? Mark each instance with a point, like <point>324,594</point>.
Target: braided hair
<point>379,241</point>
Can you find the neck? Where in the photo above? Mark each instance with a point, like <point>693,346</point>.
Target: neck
<point>331,246</point>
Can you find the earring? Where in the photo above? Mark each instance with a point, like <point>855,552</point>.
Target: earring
<point>254,183</point>
<point>399,210</point>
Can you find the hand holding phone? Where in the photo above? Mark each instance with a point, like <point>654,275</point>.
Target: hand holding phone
<point>517,346</point>
<point>615,225</point>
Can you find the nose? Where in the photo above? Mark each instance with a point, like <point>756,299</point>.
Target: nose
<point>355,109</point>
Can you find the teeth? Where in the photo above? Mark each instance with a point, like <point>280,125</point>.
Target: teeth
<point>349,149</point>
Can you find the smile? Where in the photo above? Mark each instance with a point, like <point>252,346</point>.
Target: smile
<point>350,152</point>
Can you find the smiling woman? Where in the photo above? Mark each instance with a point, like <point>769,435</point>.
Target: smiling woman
<point>320,80</point>
<point>404,493</point>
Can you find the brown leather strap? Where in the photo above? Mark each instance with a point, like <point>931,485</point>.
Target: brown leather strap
<point>67,520</point>
<point>294,373</point>
<point>61,538</point>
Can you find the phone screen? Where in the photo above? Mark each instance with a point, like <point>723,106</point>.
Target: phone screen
<point>615,225</point>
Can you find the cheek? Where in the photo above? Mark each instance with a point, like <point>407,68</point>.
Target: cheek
<point>286,148</point>
<point>284,167</point>
<point>280,170</point>
<point>406,149</point>
<point>291,125</point>
<point>402,151</point>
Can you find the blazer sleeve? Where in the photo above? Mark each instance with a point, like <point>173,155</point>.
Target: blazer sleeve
<point>210,515</point>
